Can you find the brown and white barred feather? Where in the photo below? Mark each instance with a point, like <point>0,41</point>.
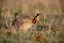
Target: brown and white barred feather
<point>23,23</point>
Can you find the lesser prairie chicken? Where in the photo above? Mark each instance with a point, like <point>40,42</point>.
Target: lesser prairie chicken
<point>24,23</point>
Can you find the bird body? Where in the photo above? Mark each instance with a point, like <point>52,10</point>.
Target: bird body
<point>23,23</point>
<point>27,24</point>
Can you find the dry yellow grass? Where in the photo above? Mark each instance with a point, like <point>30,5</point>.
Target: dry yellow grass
<point>40,37</point>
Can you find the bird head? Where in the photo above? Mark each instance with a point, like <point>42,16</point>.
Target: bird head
<point>36,18</point>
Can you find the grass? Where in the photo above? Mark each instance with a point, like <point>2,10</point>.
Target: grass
<point>54,35</point>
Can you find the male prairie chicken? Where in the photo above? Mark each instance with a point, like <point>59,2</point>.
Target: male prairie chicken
<point>24,23</point>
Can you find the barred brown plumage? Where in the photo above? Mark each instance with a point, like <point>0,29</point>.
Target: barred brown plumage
<point>24,23</point>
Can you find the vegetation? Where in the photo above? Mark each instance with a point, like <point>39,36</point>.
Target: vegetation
<point>50,28</point>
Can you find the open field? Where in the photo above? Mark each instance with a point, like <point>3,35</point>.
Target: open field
<point>49,29</point>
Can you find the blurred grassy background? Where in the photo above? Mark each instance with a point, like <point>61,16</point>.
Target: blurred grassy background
<point>51,24</point>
